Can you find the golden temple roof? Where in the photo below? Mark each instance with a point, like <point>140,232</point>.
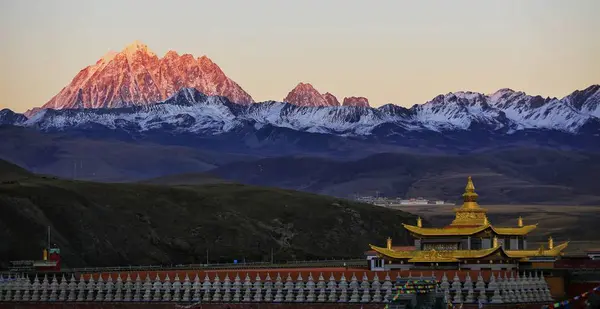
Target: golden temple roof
<point>457,255</point>
<point>465,231</point>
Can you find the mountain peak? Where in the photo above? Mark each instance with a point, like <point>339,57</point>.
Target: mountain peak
<point>304,94</point>
<point>302,85</point>
<point>171,54</point>
<point>331,99</point>
<point>205,61</point>
<point>502,91</point>
<point>135,47</point>
<point>136,76</point>
<point>356,101</point>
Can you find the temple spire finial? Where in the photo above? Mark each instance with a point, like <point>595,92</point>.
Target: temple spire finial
<point>550,243</point>
<point>470,197</point>
<point>470,187</point>
<point>470,213</point>
<point>389,243</point>
<point>419,222</point>
<point>520,221</point>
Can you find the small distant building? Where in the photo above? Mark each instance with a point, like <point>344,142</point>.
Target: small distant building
<point>593,254</point>
<point>50,260</point>
<point>393,202</point>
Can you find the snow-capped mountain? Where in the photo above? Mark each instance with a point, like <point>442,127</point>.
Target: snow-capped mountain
<point>136,76</point>
<point>189,110</point>
<point>586,101</point>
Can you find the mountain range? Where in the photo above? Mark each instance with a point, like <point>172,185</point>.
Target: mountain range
<point>137,76</point>
<point>137,91</point>
<point>188,110</point>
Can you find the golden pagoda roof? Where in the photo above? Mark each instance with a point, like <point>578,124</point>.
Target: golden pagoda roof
<point>457,255</point>
<point>465,231</point>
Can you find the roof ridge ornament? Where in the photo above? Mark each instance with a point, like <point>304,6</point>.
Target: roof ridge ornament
<point>470,196</point>
<point>470,213</point>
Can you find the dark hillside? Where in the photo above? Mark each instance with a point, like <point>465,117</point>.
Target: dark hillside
<point>103,224</point>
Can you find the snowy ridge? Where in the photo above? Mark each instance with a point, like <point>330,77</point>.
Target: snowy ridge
<point>458,111</point>
<point>188,110</point>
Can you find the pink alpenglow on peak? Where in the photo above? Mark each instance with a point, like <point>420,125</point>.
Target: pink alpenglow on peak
<point>136,76</point>
<point>305,94</point>
<point>356,101</point>
<point>331,99</point>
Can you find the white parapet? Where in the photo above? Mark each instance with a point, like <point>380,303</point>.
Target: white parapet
<point>499,287</point>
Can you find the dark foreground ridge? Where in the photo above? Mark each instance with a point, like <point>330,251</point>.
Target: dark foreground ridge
<point>108,224</point>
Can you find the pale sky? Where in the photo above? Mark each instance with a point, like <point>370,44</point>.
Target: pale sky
<point>401,52</point>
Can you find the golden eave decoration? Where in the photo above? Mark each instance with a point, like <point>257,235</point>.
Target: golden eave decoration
<point>416,256</point>
<point>466,231</point>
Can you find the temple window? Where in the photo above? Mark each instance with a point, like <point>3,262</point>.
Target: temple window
<point>417,244</point>
<point>514,243</point>
<point>486,243</point>
<point>521,243</point>
<point>475,243</point>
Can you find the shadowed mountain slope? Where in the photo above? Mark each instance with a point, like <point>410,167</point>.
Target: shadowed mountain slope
<point>100,224</point>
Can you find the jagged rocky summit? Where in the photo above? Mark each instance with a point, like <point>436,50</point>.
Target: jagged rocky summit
<point>137,76</point>
<point>356,101</point>
<point>305,94</point>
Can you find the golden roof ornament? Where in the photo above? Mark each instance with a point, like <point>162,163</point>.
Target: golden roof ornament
<point>470,214</point>
<point>470,197</point>
<point>389,243</point>
<point>550,243</point>
<point>419,222</point>
<point>541,250</point>
<point>520,221</point>
<point>495,242</point>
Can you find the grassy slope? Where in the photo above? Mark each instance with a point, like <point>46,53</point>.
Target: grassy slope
<point>119,224</point>
<point>186,179</point>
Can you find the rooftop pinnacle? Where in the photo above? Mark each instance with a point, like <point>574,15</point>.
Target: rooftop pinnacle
<point>470,197</point>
